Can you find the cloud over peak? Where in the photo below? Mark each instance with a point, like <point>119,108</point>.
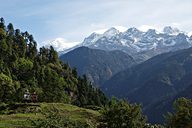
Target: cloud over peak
<point>59,44</point>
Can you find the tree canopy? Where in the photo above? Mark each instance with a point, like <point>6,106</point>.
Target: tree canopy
<point>24,67</point>
<point>121,114</point>
<point>182,117</point>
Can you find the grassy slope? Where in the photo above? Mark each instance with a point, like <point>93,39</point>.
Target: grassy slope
<point>13,117</point>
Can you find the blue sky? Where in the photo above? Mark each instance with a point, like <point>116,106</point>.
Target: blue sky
<point>73,20</point>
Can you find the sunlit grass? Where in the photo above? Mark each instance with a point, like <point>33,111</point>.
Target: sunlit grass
<point>19,119</point>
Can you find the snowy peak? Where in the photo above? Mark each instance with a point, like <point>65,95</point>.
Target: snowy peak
<point>170,30</point>
<point>91,39</point>
<point>94,37</point>
<point>151,32</point>
<point>111,32</point>
<point>133,30</point>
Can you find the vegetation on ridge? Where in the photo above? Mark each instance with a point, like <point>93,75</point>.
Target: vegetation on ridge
<point>23,67</point>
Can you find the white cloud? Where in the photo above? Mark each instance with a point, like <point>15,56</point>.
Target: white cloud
<point>189,33</point>
<point>174,24</point>
<point>59,44</point>
<point>144,28</point>
<point>120,28</point>
<point>101,31</point>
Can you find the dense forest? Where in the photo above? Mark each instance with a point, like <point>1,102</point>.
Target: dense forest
<point>24,67</point>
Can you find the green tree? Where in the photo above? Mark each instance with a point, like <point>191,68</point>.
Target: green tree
<point>88,95</point>
<point>53,86</point>
<point>3,48</point>
<point>74,72</point>
<point>10,29</point>
<point>121,114</point>
<point>2,23</point>
<point>24,69</point>
<point>182,117</point>
<point>53,56</point>
<point>7,89</point>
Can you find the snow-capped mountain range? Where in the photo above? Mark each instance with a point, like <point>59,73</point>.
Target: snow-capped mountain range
<point>139,44</point>
<point>134,40</point>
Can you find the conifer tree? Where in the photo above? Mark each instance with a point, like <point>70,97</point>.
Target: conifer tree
<point>182,117</point>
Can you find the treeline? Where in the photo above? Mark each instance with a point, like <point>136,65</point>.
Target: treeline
<point>23,67</point>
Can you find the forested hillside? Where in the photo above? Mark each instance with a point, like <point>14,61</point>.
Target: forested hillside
<point>164,105</point>
<point>24,67</point>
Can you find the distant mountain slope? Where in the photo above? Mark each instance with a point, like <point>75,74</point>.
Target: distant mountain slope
<point>98,65</point>
<point>156,111</point>
<point>158,77</point>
